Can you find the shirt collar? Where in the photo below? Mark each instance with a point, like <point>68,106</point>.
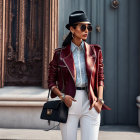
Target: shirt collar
<point>73,46</point>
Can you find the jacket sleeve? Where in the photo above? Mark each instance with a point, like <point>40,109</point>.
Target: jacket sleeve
<point>53,71</point>
<point>101,70</point>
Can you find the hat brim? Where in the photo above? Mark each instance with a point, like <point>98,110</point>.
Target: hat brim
<point>68,25</point>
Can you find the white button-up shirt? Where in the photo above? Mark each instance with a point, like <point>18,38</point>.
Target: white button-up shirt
<point>79,61</point>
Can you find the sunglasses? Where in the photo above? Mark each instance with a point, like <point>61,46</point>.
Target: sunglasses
<point>83,27</point>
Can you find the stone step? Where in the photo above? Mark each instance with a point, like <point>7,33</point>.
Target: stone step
<point>20,107</point>
<point>12,93</point>
<point>22,103</point>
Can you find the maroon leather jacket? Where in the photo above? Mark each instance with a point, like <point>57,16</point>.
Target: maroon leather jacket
<point>62,71</point>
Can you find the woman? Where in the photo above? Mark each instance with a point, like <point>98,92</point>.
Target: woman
<point>76,76</point>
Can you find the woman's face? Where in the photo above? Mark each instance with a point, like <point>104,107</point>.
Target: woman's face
<point>81,30</point>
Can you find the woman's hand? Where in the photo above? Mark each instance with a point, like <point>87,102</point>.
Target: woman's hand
<point>94,98</point>
<point>68,100</point>
<point>98,106</point>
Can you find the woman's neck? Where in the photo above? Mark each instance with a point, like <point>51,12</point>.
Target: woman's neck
<point>77,42</point>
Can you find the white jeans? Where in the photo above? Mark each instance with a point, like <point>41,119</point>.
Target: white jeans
<point>89,119</point>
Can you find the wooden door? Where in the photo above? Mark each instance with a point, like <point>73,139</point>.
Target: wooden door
<point>25,43</point>
<point>28,37</point>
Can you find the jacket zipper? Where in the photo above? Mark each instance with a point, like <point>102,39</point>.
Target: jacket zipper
<point>63,82</point>
<point>69,71</point>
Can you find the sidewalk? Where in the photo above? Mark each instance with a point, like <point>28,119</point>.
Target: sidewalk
<point>107,132</point>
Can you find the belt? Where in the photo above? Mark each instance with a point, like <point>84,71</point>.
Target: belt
<point>81,88</point>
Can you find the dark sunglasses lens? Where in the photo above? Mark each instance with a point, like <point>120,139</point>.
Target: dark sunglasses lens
<point>83,28</point>
<point>89,28</point>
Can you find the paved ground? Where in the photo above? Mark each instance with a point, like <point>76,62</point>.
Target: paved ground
<point>115,132</point>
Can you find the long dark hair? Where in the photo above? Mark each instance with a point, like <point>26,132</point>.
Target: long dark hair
<point>67,40</point>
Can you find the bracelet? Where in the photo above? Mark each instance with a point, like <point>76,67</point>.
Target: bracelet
<point>63,97</point>
<point>101,101</point>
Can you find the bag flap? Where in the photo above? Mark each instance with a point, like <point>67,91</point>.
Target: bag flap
<point>52,104</point>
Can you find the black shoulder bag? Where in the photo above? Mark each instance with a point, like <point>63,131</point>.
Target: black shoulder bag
<point>54,110</point>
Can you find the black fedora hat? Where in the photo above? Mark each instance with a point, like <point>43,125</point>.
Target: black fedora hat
<point>75,17</point>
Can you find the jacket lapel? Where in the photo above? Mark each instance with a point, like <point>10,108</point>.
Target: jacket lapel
<point>67,57</point>
<point>90,60</point>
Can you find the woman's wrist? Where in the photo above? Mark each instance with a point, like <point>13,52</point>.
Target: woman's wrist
<point>101,101</point>
<point>62,96</point>
<point>58,93</point>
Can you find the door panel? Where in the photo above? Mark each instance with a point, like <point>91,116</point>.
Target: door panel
<point>24,46</point>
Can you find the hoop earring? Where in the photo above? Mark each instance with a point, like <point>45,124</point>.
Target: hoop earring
<point>72,35</point>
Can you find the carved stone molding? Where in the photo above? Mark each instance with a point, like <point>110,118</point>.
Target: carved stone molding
<point>53,26</point>
<point>22,30</point>
<point>50,42</point>
<point>2,41</point>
